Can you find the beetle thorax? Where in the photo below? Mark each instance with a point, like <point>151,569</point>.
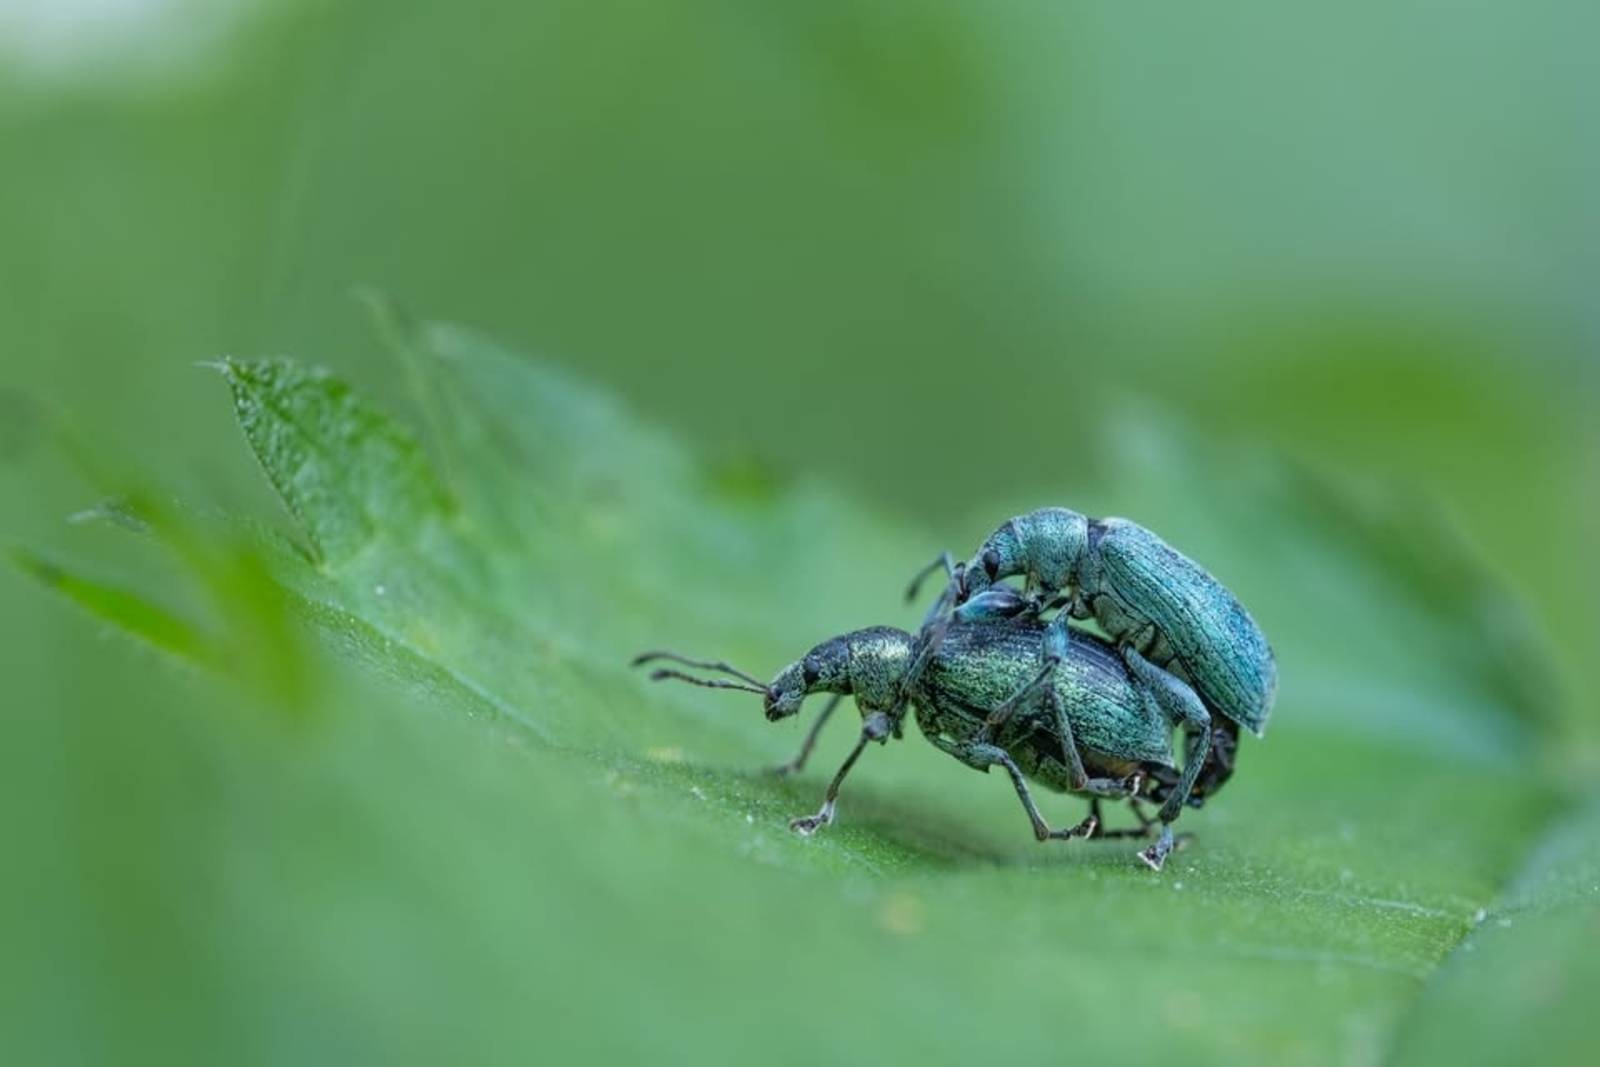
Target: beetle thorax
<point>1053,543</point>
<point>878,660</point>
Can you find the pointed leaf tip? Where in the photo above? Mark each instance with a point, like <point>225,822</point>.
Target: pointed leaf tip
<point>346,472</point>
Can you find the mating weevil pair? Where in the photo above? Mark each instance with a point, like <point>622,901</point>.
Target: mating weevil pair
<point>994,683</point>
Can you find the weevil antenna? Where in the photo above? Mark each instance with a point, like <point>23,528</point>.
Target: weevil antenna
<point>710,683</point>
<point>705,665</point>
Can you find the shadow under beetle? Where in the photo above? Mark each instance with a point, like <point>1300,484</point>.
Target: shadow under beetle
<point>1182,634</point>
<point>1081,725</point>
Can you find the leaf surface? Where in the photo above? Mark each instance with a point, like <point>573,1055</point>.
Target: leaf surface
<point>552,830</point>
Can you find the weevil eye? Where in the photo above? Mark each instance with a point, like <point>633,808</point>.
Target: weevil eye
<point>991,563</point>
<point>809,673</point>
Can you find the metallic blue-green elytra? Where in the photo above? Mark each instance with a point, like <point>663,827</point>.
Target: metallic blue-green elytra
<point>976,668</point>
<point>1212,638</point>
<point>979,665</point>
<point>1144,592</point>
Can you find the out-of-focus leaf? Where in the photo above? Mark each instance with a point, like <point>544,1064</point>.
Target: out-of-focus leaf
<point>122,608</point>
<point>1522,983</point>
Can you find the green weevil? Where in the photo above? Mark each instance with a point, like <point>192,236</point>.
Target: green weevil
<point>1180,631</point>
<point>1083,726</point>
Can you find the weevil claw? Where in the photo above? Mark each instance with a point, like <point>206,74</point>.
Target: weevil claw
<point>810,824</point>
<point>1156,854</point>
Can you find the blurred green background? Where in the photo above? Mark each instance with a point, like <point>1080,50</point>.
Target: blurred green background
<point>932,255</point>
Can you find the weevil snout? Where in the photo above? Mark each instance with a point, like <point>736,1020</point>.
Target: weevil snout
<point>826,668</point>
<point>786,693</point>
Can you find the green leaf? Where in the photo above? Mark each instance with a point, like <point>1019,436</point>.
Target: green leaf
<point>557,857</point>
<point>346,474</point>
<point>1523,981</point>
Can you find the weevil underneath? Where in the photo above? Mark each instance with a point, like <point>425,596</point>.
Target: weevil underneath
<point>1083,725</point>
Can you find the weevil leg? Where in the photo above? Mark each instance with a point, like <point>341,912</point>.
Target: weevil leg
<point>981,757</point>
<point>942,604</point>
<point>796,765</point>
<point>986,605</point>
<point>1225,747</point>
<point>943,561</point>
<point>1124,833</point>
<point>1138,813</point>
<point>1156,855</point>
<point>1004,710</point>
<point>929,638</point>
<point>1183,707</point>
<point>875,728</point>
<point>1054,644</point>
<point>1144,829</point>
<point>1087,827</point>
<point>1145,821</point>
<point>1078,780</point>
<point>1078,777</point>
<point>996,603</point>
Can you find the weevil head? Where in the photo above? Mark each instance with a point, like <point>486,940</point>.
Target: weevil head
<point>1045,546</point>
<point>868,664</point>
<point>825,669</point>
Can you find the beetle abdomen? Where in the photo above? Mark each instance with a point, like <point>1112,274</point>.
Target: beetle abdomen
<point>979,665</point>
<point>1222,649</point>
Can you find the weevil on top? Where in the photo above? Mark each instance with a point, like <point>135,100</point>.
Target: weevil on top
<point>1179,630</point>
<point>994,682</point>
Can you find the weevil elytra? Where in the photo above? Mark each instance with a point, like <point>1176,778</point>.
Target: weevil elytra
<point>1180,631</point>
<point>1083,726</point>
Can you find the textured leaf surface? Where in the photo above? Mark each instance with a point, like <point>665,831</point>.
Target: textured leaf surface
<point>1523,981</point>
<point>345,473</point>
<point>554,856</point>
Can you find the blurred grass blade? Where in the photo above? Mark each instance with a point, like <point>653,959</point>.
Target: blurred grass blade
<point>125,610</point>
